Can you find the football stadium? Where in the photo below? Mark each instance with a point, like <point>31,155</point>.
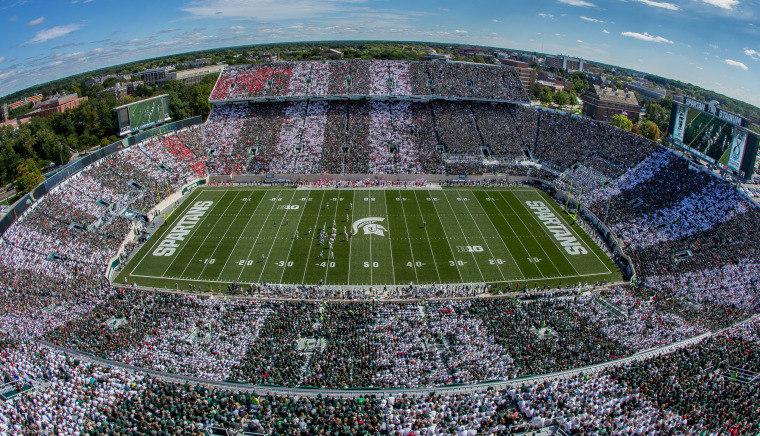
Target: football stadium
<point>385,247</point>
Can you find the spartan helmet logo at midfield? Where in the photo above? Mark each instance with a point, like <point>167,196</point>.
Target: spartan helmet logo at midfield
<point>370,226</point>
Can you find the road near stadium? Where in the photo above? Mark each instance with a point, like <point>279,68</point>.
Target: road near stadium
<point>367,237</point>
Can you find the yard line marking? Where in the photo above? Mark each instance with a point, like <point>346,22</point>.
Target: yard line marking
<point>465,237</point>
<point>409,239</point>
<point>500,193</point>
<point>219,218</point>
<point>551,259</point>
<point>276,234</point>
<point>261,229</point>
<point>350,240</point>
<point>369,213</point>
<point>493,226</point>
<point>390,237</point>
<point>242,236</point>
<point>293,241</point>
<point>178,254</point>
<point>448,243</point>
<point>509,224</point>
<point>570,227</point>
<point>167,227</point>
<point>488,246</point>
<point>335,217</point>
<point>219,242</point>
<point>311,237</point>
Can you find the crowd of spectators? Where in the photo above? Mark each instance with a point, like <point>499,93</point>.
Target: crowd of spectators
<point>374,343</point>
<point>375,137</point>
<point>692,237</point>
<point>701,388</point>
<point>376,78</point>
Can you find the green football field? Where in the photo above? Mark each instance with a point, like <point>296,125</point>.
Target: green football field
<point>367,237</point>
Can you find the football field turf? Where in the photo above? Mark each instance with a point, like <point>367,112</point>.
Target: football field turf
<point>219,236</point>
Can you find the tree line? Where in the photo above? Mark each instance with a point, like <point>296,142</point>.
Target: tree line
<point>51,141</point>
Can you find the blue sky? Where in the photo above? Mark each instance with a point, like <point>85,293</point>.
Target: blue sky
<point>711,43</point>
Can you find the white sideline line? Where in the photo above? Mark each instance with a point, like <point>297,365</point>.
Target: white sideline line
<point>369,286</point>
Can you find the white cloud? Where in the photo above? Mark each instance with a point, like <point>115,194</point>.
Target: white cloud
<point>2,59</point>
<point>578,3</point>
<point>661,5</point>
<point>460,31</point>
<point>723,4</point>
<point>579,41</point>
<point>267,9</point>
<point>53,33</point>
<point>736,64</point>
<point>754,54</point>
<point>544,15</point>
<point>605,31</point>
<point>36,21</point>
<point>647,37</point>
<point>591,20</point>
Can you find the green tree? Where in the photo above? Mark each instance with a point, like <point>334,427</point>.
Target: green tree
<point>562,98</point>
<point>650,130</point>
<point>28,175</point>
<point>659,113</point>
<point>580,84</point>
<point>622,122</point>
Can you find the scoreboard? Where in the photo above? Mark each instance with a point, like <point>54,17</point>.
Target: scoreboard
<point>715,135</point>
<point>142,114</point>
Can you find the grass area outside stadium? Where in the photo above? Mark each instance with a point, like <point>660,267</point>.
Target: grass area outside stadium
<point>383,237</point>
